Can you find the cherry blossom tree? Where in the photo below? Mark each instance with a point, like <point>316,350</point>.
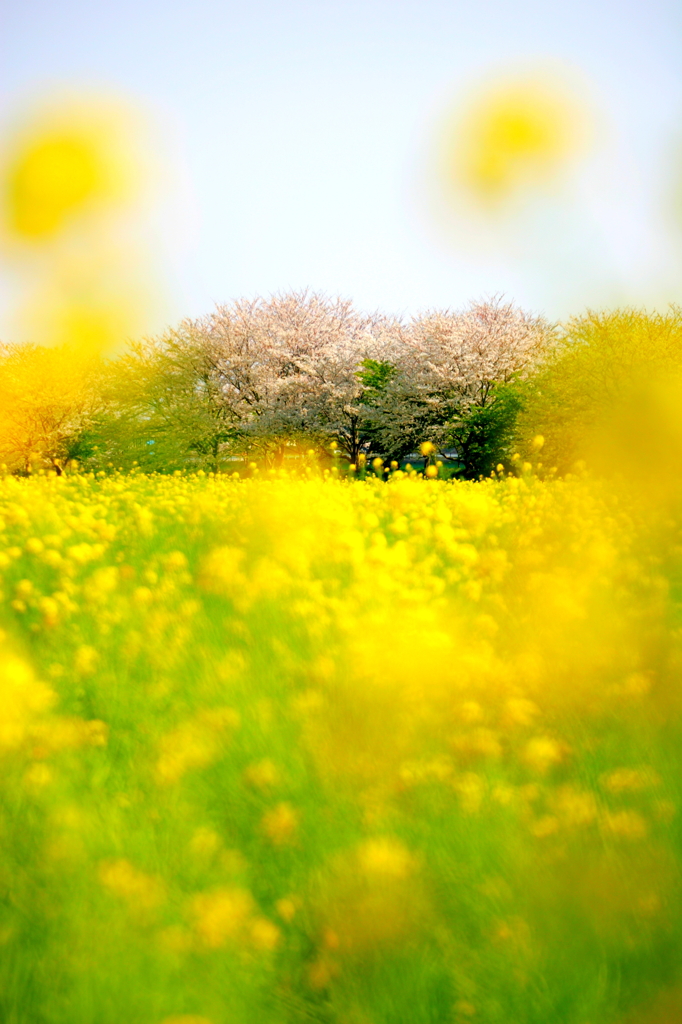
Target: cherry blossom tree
<point>295,362</point>
<point>453,376</point>
<point>261,377</point>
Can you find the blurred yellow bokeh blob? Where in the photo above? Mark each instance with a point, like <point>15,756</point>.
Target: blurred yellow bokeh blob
<point>66,162</point>
<point>50,180</point>
<point>74,198</point>
<point>515,135</point>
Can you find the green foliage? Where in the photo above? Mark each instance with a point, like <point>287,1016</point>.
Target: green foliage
<point>163,408</point>
<point>81,446</point>
<point>595,377</point>
<point>484,435</point>
<point>364,433</point>
<point>375,376</point>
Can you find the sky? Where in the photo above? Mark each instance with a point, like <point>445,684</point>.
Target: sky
<point>296,144</point>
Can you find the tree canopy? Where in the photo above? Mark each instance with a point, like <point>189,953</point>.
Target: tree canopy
<point>259,378</point>
<point>595,396</point>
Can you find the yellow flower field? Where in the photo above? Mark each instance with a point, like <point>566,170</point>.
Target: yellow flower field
<point>279,749</point>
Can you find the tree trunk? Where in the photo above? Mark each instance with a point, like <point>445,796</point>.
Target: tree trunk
<point>354,441</point>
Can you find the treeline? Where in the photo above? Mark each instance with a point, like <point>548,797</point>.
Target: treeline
<point>265,379</point>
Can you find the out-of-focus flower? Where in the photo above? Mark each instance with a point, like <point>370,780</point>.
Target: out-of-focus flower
<point>517,134</point>
<point>136,887</point>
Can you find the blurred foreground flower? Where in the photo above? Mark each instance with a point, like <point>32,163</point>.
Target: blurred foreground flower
<point>516,135</point>
<point>70,211</point>
<point>71,161</point>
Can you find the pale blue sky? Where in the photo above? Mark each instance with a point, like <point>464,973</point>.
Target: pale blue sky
<point>301,137</point>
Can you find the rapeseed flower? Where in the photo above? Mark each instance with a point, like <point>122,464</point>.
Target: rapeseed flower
<point>322,733</point>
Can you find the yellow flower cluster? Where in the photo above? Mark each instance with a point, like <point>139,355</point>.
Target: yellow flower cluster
<point>284,744</point>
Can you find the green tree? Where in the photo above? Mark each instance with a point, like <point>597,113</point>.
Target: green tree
<point>165,407</point>
<point>593,397</point>
<point>360,432</point>
<point>484,435</point>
